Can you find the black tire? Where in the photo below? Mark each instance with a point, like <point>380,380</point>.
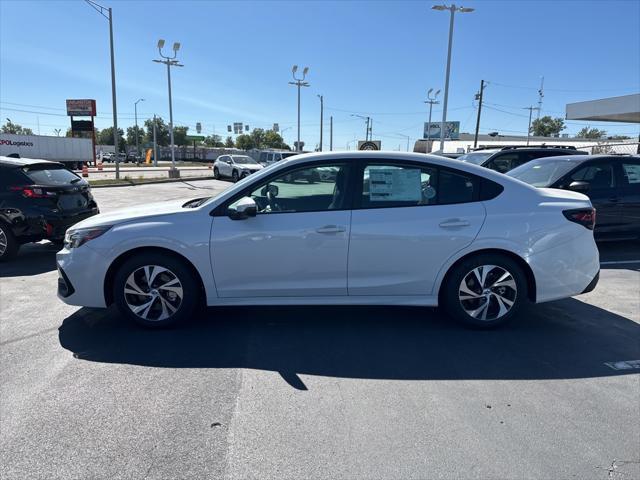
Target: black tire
<point>495,294</point>
<point>10,250</point>
<point>216,173</point>
<point>160,300</point>
<point>234,176</point>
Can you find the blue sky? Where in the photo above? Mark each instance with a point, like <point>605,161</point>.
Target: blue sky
<point>376,58</point>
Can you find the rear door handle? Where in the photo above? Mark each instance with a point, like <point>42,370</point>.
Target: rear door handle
<point>331,229</point>
<point>453,223</point>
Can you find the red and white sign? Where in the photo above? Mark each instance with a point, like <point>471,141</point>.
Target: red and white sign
<point>81,108</point>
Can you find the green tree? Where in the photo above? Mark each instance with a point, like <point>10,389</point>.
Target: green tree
<point>587,132</point>
<point>274,140</point>
<point>258,135</point>
<point>16,129</point>
<point>180,135</point>
<point>214,141</point>
<point>228,143</point>
<point>619,137</point>
<point>131,135</point>
<point>547,126</point>
<point>106,138</point>
<point>245,142</point>
<point>162,131</point>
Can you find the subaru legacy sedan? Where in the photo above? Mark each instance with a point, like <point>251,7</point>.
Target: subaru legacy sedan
<point>388,228</point>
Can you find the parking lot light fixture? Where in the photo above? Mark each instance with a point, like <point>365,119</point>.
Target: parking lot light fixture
<point>299,82</point>
<point>170,62</point>
<point>452,10</point>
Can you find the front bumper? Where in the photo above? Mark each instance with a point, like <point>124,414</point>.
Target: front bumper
<point>82,272</point>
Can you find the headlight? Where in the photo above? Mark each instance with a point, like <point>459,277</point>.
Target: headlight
<point>76,238</point>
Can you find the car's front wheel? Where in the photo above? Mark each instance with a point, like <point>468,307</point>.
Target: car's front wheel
<point>234,176</point>
<point>8,244</point>
<point>216,173</point>
<point>485,291</point>
<point>156,290</point>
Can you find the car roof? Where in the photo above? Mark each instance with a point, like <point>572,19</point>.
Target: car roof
<point>583,158</point>
<point>24,162</point>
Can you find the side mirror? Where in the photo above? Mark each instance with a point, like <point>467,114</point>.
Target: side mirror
<point>244,208</point>
<point>582,187</point>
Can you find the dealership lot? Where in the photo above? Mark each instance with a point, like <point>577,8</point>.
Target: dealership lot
<point>295,392</point>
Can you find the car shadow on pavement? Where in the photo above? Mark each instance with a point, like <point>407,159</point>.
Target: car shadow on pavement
<point>32,259</point>
<point>564,339</point>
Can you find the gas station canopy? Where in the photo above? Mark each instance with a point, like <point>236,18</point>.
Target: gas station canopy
<point>614,109</point>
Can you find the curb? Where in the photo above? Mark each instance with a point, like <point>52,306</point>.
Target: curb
<point>130,183</point>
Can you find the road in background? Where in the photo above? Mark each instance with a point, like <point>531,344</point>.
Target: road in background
<point>315,392</point>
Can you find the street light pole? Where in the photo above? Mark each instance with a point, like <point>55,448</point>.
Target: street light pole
<point>170,62</point>
<point>531,109</point>
<point>135,109</point>
<point>299,82</point>
<point>431,102</point>
<point>452,10</point>
<point>109,16</point>
<point>321,120</point>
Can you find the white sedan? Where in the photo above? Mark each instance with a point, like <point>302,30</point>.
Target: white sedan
<point>235,167</point>
<point>389,229</point>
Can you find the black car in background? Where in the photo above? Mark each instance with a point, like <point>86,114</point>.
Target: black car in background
<point>612,182</point>
<point>39,200</point>
<point>507,158</point>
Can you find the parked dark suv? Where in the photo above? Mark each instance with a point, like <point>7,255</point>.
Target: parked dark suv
<point>612,182</point>
<point>507,158</point>
<point>39,200</point>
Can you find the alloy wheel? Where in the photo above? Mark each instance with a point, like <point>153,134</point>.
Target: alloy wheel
<point>3,242</point>
<point>487,292</point>
<point>153,293</point>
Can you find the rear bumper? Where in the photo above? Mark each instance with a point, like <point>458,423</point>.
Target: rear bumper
<point>593,283</point>
<point>48,225</point>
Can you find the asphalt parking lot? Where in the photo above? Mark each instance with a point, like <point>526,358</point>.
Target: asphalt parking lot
<point>296,392</point>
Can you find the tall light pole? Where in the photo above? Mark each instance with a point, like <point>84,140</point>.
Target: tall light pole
<point>170,62</point>
<point>452,10</point>
<point>321,114</point>
<point>431,102</point>
<point>531,109</point>
<point>135,109</point>
<point>299,82</point>
<point>109,16</point>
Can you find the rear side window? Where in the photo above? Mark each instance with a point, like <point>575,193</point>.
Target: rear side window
<point>456,187</point>
<point>10,177</point>
<point>51,175</point>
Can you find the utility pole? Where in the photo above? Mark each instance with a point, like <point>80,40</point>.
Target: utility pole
<point>368,125</point>
<point>109,16</point>
<point>299,82</point>
<point>452,10</point>
<point>479,98</point>
<point>170,62</point>
<point>531,109</point>
<point>540,96</point>
<point>155,143</point>
<point>331,133</point>
<point>321,120</point>
<point>431,102</point>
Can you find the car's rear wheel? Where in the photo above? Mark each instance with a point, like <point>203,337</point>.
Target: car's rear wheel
<point>8,244</point>
<point>485,291</point>
<point>155,290</point>
<point>216,173</point>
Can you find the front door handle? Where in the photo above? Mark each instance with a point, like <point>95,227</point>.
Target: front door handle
<point>453,223</point>
<point>331,229</point>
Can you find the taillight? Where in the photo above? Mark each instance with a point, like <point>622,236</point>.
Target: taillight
<point>584,216</point>
<point>33,192</point>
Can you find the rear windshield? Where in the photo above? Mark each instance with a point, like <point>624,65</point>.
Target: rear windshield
<point>543,172</point>
<point>476,158</point>
<point>50,175</point>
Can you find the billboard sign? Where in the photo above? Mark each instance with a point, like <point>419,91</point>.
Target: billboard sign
<point>452,130</point>
<point>81,108</point>
<point>369,145</point>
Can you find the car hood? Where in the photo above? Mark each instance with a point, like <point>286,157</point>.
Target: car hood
<point>251,167</point>
<point>134,213</point>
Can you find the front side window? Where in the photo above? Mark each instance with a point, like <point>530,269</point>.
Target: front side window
<point>303,190</point>
<point>631,172</point>
<point>503,163</point>
<point>597,176</point>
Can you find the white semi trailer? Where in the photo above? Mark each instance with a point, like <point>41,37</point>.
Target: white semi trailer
<point>71,151</point>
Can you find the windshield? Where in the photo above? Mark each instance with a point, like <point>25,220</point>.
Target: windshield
<point>243,160</point>
<point>477,158</point>
<point>51,175</point>
<point>543,172</point>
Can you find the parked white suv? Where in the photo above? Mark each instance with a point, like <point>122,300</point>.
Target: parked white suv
<point>235,166</point>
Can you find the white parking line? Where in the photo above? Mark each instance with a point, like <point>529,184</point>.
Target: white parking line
<point>620,262</point>
<point>624,364</point>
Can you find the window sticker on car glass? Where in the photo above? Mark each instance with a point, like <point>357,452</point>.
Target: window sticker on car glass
<point>394,184</point>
